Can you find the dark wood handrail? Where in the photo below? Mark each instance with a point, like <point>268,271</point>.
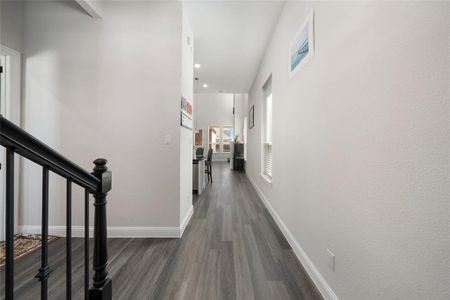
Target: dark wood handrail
<point>98,183</point>
<point>28,146</point>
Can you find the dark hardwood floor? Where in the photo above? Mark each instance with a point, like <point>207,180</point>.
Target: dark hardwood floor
<point>231,249</point>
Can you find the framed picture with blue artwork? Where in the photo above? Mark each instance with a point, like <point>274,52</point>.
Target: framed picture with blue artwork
<point>301,49</point>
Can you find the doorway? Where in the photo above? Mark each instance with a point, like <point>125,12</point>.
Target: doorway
<point>10,104</point>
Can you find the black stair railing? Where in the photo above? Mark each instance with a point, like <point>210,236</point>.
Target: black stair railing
<point>98,183</point>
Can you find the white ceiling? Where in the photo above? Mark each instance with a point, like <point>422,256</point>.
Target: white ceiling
<point>230,41</point>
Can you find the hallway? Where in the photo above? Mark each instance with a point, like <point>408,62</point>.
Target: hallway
<point>337,111</point>
<point>231,249</point>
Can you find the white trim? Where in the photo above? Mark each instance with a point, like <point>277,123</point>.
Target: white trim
<point>116,232</point>
<point>9,51</point>
<point>113,232</point>
<point>317,278</point>
<point>186,220</point>
<point>13,83</point>
<point>12,67</point>
<point>266,178</point>
<point>77,231</point>
<point>143,232</point>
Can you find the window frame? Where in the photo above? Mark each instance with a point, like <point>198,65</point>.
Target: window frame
<point>266,132</point>
<point>221,144</point>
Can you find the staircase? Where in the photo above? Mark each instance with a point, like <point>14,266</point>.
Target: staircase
<point>98,183</point>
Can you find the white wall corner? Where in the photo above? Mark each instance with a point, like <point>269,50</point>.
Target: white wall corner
<point>92,7</point>
<point>186,220</point>
<point>317,278</point>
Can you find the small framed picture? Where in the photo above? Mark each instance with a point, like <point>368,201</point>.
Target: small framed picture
<point>185,121</point>
<point>251,117</point>
<point>301,49</point>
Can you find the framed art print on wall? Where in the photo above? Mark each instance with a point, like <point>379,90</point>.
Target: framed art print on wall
<point>186,113</point>
<point>301,49</point>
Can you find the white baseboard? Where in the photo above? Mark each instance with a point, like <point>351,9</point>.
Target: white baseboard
<point>317,278</point>
<point>143,232</point>
<point>113,232</point>
<point>77,231</point>
<point>116,232</point>
<point>186,220</point>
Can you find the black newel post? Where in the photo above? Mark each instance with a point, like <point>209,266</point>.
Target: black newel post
<point>102,285</point>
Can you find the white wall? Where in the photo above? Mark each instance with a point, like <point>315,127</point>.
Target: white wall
<point>11,24</point>
<point>214,109</point>
<point>240,112</point>
<point>186,137</point>
<point>361,141</point>
<point>107,88</point>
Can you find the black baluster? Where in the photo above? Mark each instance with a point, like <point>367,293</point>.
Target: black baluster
<point>102,285</point>
<point>69,241</point>
<point>86,244</point>
<point>9,230</point>
<point>44,271</point>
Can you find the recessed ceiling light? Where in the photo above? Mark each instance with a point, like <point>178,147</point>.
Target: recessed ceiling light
<point>197,66</point>
<point>205,85</point>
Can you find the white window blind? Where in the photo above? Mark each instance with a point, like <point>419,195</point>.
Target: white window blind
<point>267,134</point>
<point>268,110</point>
<point>268,159</point>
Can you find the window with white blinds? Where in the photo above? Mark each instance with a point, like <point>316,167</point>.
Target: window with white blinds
<point>267,130</point>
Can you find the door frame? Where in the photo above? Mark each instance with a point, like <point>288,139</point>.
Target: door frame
<point>12,106</point>
<point>13,83</point>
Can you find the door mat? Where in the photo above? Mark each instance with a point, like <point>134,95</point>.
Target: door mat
<point>23,245</point>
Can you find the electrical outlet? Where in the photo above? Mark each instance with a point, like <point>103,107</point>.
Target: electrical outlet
<point>331,260</point>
